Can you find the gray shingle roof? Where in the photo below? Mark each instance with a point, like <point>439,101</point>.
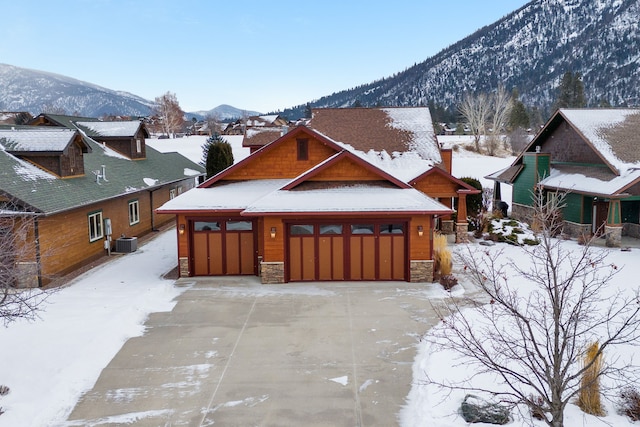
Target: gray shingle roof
<point>45,193</point>
<point>36,139</point>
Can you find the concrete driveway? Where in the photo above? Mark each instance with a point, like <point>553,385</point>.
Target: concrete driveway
<point>234,352</point>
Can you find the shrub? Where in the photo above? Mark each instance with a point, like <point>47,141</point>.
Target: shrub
<point>537,407</point>
<point>630,403</point>
<point>589,397</point>
<point>448,281</point>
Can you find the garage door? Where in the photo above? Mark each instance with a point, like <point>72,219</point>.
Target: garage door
<point>347,251</point>
<point>223,247</point>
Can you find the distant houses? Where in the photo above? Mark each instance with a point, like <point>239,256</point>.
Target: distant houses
<point>82,184</point>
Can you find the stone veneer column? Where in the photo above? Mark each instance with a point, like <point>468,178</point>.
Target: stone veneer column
<point>462,232</point>
<point>27,275</point>
<point>614,236</point>
<point>421,271</point>
<point>272,272</point>
<point>183,263</point>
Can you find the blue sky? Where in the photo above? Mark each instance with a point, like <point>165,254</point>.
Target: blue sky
<point>254,55</point>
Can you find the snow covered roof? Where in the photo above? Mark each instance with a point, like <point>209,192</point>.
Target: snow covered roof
<point>347,199</point>
<point>111,129</point>
<point>401,141</point>
<point>225,195</point>
<point>613,132</point>
<point>36,139</point>
<point>593,181</point>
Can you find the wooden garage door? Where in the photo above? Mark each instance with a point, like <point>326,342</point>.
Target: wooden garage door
<point>224,247</point>
<point>347,251</point>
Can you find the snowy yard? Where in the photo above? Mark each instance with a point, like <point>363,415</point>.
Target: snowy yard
<point>49,363</point>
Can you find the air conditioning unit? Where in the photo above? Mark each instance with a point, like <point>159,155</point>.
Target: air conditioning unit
<point>126,244</point>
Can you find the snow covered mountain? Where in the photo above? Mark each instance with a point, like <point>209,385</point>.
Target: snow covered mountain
<point>23,89</point>
<point>223,112</point>
<point>530,49</point>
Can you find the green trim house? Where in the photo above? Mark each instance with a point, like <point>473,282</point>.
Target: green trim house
<point>82,184</point>
<point>594,156</point>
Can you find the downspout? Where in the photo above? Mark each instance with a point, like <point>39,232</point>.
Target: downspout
<point>153,222</point>
<point>36,232</point>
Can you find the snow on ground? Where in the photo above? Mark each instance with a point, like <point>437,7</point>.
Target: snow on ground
<point>50,362</point>
<point>191,146</point>
<point>430,406</point>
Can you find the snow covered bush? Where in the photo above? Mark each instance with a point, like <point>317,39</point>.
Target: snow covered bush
<point>630,403</point>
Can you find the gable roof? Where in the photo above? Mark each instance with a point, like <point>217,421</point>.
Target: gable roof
<point>464,187</point>
<point>42,192</point>
<point>341,156</point>
<point>32,139</point>
<point>128,128</point>
<point>393,130</point>
<point>612,133</point>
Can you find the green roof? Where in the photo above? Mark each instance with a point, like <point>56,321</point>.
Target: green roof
<point>45,193</point>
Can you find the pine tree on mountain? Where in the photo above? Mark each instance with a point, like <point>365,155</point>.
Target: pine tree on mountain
<point>571,91</point>
<point>519,118</point>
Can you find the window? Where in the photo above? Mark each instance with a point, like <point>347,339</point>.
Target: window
<point>206,226</point>
<point>331,229</point>
<point>179,190</point>
<point>299,230</point>
<point>134,212</point>
<point>138,146</point>
<point>95,226</point>
<point>391,229</point>
<point>172,194</point>
<point>239,226</point>
<point>303,148</point>
<point>362,229</point>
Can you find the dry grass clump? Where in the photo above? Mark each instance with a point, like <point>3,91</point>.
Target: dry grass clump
<point>589,397</point>
<point>441,255</point>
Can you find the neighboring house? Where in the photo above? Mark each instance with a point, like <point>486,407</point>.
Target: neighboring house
<point>345,197</point>
<point>240,126</point>
<point>594,156</point>
<point>78,181</point>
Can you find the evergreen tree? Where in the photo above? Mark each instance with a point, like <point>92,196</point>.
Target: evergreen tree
<point>571,91</point>
<point>519,118</point>
<point>217,155</point>
<point>307,111</point>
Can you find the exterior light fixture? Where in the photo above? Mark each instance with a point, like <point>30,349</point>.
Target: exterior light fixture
<point>181,229</point>
<point>273,232</point>
<point>420,231</point>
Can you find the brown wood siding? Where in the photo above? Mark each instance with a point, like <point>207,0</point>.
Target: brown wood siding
<point>64,237</point>
<point>420,247</point>
<point>281,161</point>
<point>565,145</point>
<point>273,247</point>
<point>345,170</point>
<point>436,185</point>
<point>126,146</point>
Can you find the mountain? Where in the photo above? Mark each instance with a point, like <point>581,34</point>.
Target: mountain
<point>529,49</point>
<point>22,89</point>
<point>224,113</point>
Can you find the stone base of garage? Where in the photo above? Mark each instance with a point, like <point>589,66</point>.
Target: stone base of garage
<point>183,263</point>
<point>272,272</point>
<point>421,271</point>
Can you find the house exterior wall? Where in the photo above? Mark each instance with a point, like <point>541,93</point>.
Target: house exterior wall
<point>126,146</point>
<point>282,161</point>
<point>564,144</point>
<point>64,237</point>
<point>536,166</point>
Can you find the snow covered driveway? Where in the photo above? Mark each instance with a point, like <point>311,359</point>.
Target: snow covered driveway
<point>234,352</point>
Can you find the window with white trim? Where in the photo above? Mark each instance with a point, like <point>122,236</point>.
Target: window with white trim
<point>134,212</point>
<point>95,226</point>
<point>172,193</point>
<point>138,146</point>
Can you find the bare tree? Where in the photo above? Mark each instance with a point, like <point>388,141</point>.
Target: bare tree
<point>500,110</point>
<point>213,123</point>
<point>169,113</point>
<point>534,341</point>
<point>486,115</point>
<point>475,110</point>
<point>18,265</point>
